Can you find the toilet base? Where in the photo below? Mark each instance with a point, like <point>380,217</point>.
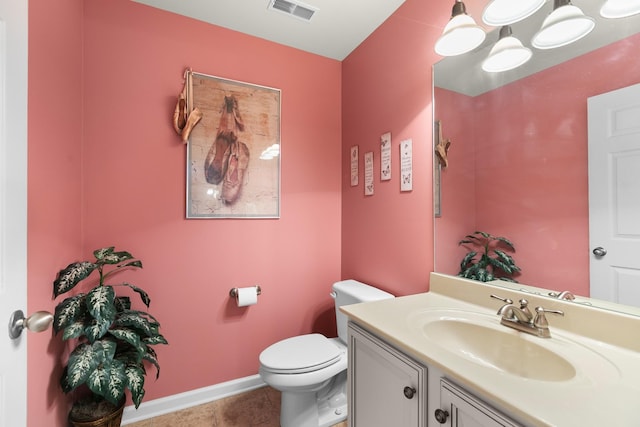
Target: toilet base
<point>322,408</point>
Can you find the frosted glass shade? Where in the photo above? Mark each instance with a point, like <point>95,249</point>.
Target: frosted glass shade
<point>460,35</point>
<point>505,12</point>
<point>620,8</point>
<point>508,53</point>
<point>565,25</point>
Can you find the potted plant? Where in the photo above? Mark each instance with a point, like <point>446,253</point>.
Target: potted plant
<point>488,260</point>
<point>112,340</point>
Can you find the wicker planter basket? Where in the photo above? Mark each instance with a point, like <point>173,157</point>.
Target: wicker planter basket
<point>111,420</point>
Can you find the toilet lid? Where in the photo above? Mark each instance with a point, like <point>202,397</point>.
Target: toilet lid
<point>300,354</point>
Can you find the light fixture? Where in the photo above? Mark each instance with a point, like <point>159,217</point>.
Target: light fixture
<point>620,8</point>
<point>564,25</point>
<point>461,34</point>
<point>507,54</point>
<point>505,12</point>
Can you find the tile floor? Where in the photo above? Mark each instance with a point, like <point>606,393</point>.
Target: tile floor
<point>256,408</point>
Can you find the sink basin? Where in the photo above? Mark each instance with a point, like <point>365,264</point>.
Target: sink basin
<point>501,350</point>
<point>478,338</point>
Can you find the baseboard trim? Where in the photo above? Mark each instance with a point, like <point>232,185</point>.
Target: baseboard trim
<point>176,402</point>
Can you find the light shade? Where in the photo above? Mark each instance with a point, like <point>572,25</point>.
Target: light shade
<point>505,12</point>
<point>620,8</point>
<point>461,34</point>
<point>508,53</point>
<point>566,24</point>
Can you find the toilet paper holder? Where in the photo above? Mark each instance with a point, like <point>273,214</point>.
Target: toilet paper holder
<point>234,291</point>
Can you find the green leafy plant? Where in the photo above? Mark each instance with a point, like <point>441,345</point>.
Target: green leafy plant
<point>488,260</point>
<point>113,340</point>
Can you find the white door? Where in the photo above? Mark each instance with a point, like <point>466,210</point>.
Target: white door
<point>614,195</point>
<point>13,207</point>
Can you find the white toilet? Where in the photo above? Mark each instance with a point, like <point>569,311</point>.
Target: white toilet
<point>311,370</point>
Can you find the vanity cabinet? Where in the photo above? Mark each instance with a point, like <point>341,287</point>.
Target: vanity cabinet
<point>481,373</point>
<point>386,388</point>
<point>458,408</point>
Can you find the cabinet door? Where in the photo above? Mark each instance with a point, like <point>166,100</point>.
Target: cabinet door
<point>467,411</point>
<point>386,388</point>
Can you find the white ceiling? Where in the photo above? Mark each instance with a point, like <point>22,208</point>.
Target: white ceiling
<point>334,31</point>
<point>339,26</point>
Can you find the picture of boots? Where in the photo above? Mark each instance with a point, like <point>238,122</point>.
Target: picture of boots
<point>238,163</point>
<point>217,161</point>
<point>233,170</point>
<point>231,124</point>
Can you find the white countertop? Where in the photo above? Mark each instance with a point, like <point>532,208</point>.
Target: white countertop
<point>604,392</point>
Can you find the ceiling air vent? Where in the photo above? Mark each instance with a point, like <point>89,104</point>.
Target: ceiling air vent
<point>298,10</point>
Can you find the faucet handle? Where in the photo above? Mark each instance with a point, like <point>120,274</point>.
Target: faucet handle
<point>505,300</point>
<point>540,321</point>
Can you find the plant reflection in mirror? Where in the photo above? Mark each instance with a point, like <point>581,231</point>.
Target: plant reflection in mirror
<point>487,259</point>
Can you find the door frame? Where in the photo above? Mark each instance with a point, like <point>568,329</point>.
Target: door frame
<point>13,205</point>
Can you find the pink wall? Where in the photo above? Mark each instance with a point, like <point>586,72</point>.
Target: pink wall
<point>548,220</point>
<point>103,79</point>
<point>54,191</point>
<point>457,181</point>
<point>103,84</point>
<point>387,238</point>
<point>543,169</point>
<point>109,71</point>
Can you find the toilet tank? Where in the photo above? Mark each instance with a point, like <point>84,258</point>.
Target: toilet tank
<point>348,292</point>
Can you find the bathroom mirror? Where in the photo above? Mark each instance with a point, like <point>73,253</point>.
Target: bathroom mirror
<point>544,212</point>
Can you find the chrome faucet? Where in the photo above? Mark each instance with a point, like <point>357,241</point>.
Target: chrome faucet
<point>513,312</point>
<point>521,318</point>
<point>567,295</point>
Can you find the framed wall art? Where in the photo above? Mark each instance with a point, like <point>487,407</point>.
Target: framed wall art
<point>233,154</point>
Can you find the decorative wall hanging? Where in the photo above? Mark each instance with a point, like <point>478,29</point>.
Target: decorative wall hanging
<point>368,173</point>
<point>385,157</point>
<point>406,165</point>
<point>185,116</point>
<point>440,160</point>
<point>442,146</point>
<point>437,202</point>
<point>354,165</point>
<point>233,160</point>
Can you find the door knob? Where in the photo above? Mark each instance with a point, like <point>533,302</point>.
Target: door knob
<point>37,322</point>
<point>599,251</point>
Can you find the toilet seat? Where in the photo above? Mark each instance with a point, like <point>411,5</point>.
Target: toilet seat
<point>300,354</point>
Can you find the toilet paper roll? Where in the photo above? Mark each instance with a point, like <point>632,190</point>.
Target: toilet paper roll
<point>247,296</point>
